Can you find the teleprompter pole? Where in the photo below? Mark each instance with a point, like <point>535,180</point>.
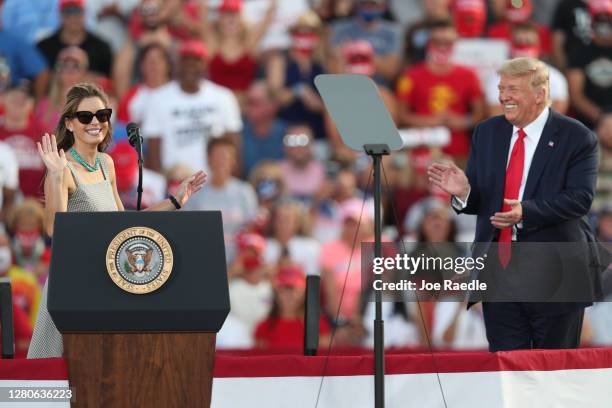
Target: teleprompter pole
<point>376,151</point>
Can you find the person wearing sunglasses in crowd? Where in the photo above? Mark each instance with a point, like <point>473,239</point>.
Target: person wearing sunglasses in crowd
<point>81,177</point>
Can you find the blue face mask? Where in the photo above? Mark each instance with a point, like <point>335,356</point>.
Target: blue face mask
<point>370,15</point>
<point>602,29</point>
<point>267,189</point>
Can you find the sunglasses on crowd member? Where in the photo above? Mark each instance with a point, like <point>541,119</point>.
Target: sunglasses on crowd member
<point>442,42</point>
<point>72,11</point>
<point>296,140</point>
<point>70,64</point>
<point>148,10</point>
<point>85,117</point>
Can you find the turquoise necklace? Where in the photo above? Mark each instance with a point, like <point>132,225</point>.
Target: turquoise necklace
<point>88,166</point>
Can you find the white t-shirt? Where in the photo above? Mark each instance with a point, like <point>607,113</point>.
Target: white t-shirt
<point>557,83</point>
<point>185,122</point>
<point>140,103</point>
<point>286,13</point>
<point>234,334</point>
<point>304,251</point>
<point>9,170</point>
<point>399,332</point>
<point>470,331</point>
<point>250,303</point>
<point>155,184</point>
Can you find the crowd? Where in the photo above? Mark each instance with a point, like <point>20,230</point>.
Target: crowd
<point>228,86</point>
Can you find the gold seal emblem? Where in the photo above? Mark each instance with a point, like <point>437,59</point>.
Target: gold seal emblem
<point>139,260</point>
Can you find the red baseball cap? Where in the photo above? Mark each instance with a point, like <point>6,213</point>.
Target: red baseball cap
<point>251,240</point>
<point>290,276</point>
<point>518,11</point>
<point>193,48</point>
<point>230,6</point>
<point>71,3</point>
<point>126,165</point>
<point>470,6</point>
<point>469,17</point>
<point>600,7</point>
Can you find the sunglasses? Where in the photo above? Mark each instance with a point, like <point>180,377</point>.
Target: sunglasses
<point>85,117</point>
<point>72,11</point>
<point>70,65</point>
<point>296,140</point>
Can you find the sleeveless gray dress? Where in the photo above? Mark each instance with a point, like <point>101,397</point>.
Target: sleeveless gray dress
<point>46,340</point>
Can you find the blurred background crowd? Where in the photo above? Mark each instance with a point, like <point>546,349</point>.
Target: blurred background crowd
<point>227,86</point>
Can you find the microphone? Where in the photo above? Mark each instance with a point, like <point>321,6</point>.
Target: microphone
<point>136,141</point>
<point>134,137</point>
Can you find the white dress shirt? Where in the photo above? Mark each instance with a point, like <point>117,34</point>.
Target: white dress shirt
<point>534,132</point>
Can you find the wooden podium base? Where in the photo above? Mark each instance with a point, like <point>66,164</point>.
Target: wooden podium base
<point>140,369</point>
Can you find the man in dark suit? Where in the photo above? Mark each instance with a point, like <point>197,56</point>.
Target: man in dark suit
<point>530,177</point>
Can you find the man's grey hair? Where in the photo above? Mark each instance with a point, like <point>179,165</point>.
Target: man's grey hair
<point>538,70</point>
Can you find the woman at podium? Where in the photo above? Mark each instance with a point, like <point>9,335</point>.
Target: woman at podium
<point>81,177</point>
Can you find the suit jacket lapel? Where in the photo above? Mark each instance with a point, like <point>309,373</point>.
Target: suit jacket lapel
<point>543,152</point>
<point>500,157</point>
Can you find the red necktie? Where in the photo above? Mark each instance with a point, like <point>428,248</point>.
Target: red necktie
<point>514,176</point>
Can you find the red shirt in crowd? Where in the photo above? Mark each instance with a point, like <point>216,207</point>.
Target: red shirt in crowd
<point>503,31</point>
<point>31,166</point>
<point>236,75</point>
<point>285,333</point>
<point>429,94</point>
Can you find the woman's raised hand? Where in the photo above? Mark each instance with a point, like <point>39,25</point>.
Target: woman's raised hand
<point>189,186</point>
<point>54,160</point>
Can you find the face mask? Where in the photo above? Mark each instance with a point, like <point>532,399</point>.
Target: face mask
<point>267,189</point>
<point>27,239</point>
<point>251,262</point>
<point>518,15</point>
<point>28,247</point>
<point>370,15</point>
<point>602,30</point>
<point>439,55</point>
<point>5,259</point>
<point>362,68</point>
<point>304,43</point>
<point>531,51</point>
<point>362,64</point>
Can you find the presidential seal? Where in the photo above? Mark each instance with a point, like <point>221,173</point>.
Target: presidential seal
<point>139,260</point>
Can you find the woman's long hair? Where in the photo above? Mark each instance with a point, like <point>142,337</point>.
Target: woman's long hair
<point>65,138</point>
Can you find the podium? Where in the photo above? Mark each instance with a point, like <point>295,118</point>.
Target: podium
<point>139,298</point>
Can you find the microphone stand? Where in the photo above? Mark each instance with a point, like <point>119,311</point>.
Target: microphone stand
<point>140,162</point>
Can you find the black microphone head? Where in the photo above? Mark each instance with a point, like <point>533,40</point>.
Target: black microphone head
<point>133,134</point>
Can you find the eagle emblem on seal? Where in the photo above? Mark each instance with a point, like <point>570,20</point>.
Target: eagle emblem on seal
<point>139,258</point>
